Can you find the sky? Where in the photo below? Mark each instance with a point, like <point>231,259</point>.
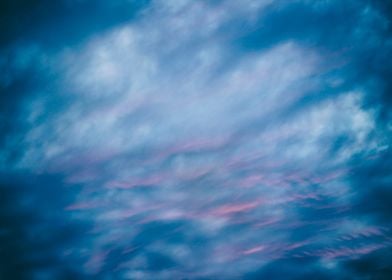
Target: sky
<point>204,139</point>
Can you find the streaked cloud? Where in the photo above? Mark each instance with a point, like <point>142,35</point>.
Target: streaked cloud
<point>198,139</point>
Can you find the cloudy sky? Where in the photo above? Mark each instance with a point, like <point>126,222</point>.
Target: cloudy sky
<point>204,139</point>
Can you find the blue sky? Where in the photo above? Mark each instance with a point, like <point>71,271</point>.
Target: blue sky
<point>187,139</point>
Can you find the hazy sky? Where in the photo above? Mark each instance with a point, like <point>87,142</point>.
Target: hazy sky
<point>179,139</point>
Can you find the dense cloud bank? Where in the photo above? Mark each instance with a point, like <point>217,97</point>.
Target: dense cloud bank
<point>195,139</point>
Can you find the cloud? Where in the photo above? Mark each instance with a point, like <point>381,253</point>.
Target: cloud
<point>197,140</point>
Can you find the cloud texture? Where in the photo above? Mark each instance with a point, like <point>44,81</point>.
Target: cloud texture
<point>195,139</point>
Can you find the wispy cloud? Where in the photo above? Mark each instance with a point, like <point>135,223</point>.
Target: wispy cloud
<point>192,139</point>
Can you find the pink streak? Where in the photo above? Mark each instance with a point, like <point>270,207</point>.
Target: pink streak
<point>254,250</point>
<point>268,222</point>
<point>236,208</point>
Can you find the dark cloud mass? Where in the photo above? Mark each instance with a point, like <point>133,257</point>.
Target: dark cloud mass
<point>178,139</point>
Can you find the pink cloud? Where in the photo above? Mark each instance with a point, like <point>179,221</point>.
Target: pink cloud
<point>236,208</point>
<point>254,250</point>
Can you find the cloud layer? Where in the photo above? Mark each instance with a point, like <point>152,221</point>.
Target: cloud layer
<point>196,140</point>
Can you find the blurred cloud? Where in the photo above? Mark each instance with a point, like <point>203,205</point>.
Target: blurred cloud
<point>195,139</point>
